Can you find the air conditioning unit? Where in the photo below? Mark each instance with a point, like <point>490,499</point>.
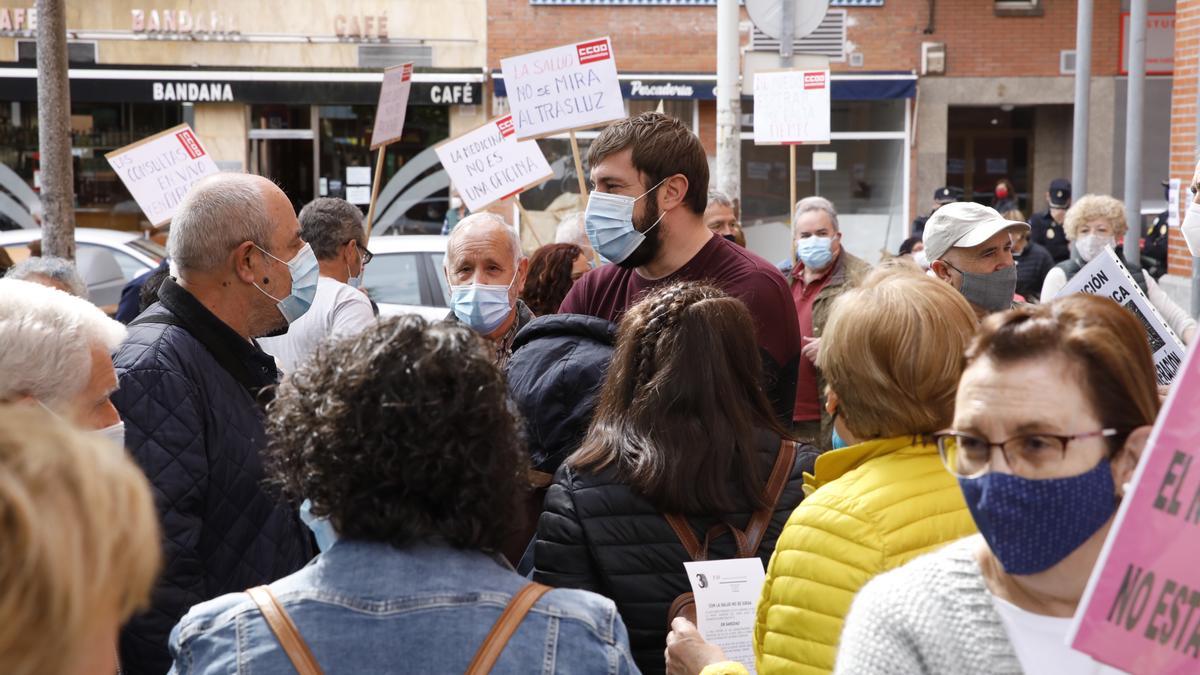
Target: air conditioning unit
<point>933,58</point>
<point>1066,62</point>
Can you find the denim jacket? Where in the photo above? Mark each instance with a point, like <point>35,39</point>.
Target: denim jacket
<point>372,608</point>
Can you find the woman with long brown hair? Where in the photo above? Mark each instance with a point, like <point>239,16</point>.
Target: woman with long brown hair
<point>682,427</point>
<point>553,270</point>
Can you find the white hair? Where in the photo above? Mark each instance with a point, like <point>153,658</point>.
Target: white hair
<point>809,204</point>
<point>48,336</point>
<point>217,215</point>
<point>719,198</point>
<point>481,222</point>
<point>56,269</point>
<point>570,230</point>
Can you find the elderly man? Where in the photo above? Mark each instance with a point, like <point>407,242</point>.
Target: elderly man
<point>646,217</point>
<point>56,352</point>
<point>970,247</point>
<point>49,271</point>
<point>822,270</point>
<point>193,383</point>
<point>486,271</point>
<point>333,227</point>
<point>721,218</point>
<point>570,230</point>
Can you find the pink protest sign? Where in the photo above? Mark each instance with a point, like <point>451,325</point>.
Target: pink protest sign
<point>1141,609</point>
<point>393,105</point>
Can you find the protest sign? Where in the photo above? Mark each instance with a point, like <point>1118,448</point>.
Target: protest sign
<point>1140,612</point>
<point>1107,276</point>
<point>160,169</point>
<point>726,593</point>
<point>791,106</point>
<point>489,164</point>
<point>1173,195</point>
<point>564,88</point>
<point>393,105</point>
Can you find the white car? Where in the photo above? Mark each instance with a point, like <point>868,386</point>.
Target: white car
<point>106,259</point>
<point>405,275</point>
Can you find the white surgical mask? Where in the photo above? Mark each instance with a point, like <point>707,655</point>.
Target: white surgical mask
<point>113,432</point>
<point>483,307</point>
<point>1091,245</point>
<point>1191,229</point>
<point>355,280</point>
<point>921,259</point>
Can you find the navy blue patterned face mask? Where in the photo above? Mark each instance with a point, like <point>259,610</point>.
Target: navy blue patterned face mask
<point>1031,525</point>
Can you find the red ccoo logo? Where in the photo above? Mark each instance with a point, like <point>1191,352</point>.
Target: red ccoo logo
<point>814,80</point>
<point>190,145</point>
<point>589,52</point>
<point>406,74</point>
<point>506,126</point>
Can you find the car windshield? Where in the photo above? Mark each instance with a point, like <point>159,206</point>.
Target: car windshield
<point>148,247</point>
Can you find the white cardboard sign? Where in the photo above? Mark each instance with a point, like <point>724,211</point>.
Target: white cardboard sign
<point>726,593</point>
<point>564,88</point>
<point>1173,195</point>
<point>791,107</point>
<point>393,105</point>
<point>489,164</point>
<point>160,169</point>
<point>1106,275</point>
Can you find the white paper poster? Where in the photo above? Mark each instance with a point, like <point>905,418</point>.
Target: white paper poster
<point>393,105</point>
<point>489,164</point>
<point>160,169</point>
<point>358,175</point>
<point>1106,275</point>
<point>358,194</point>
<point>791,107</point>
<point>726,603</point>
<point>824,161</point>
<point>569,87</point>
<point>1173,202</point>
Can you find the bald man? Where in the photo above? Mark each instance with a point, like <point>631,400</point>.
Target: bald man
<point>193,383</point>
<point>486,271</point>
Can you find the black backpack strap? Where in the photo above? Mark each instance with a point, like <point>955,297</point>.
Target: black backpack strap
<point>166,319</point>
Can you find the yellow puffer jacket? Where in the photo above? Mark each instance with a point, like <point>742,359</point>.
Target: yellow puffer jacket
<point>875,506</point>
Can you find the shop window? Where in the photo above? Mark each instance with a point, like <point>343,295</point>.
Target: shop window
<point>1018,7</point>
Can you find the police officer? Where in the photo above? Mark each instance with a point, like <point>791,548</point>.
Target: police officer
<point>1047,226</point>
<point>1155,243</point>
<point>941,197</point>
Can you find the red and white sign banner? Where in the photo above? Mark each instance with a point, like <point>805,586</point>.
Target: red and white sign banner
<point>563,88</point>
<point>393,105</point>
<point>160,169</point>
<point>489,164</point>
<point>791,107</point>
<point>1160,43</point>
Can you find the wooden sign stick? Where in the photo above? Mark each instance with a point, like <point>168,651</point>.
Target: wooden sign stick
<point>792,184</point>
<point>528,222</point>
<point>583,191</point>
<point>375,191</point>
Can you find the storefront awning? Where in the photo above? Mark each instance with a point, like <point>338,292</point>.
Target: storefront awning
<point>117,84</point>
<point>868,86</point>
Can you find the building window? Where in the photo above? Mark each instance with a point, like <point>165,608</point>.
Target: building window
<point>1018,7</point>
<point>684,3</point>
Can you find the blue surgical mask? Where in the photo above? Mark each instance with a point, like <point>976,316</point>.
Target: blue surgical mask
<point>321,528</point>
<point>815,252</point>
<point>1032,525</point>
<point>483,307</point>
<point>355,281</point>
<point>608,221</point>
<point>837,443</point>
<point>304,272</point>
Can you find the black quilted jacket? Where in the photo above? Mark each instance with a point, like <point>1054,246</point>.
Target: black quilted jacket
<point>597,534</point>
<point>188,390</point>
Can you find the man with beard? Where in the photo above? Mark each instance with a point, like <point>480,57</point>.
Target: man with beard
<point>645,217</point>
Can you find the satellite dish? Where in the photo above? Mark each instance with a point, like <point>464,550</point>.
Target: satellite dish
<point>767,16</point>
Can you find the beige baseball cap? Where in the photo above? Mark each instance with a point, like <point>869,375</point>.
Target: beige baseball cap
<point>963,225</point>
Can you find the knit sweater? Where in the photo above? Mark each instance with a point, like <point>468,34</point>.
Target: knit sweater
<point>933,615</point>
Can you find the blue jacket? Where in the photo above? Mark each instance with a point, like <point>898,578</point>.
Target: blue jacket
<point>190,395</point>
<point>371,608</point>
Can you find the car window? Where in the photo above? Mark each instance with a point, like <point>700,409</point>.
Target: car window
<point>394,278</point>
<point>148,247</point>
<point>440,272</point>
<point>130,266</point>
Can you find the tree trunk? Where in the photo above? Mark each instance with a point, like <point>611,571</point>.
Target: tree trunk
<point>54,131</point>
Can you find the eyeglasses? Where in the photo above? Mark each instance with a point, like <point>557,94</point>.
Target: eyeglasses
<point>1032,454</point>
<point>366,255</point>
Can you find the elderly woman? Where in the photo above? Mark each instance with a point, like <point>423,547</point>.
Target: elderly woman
<point>1096,221</point>
<point>1053,411</point>
<point>553,270</point>
<point>81,545</point>
<point>893,356</point>
<point>402,437</point>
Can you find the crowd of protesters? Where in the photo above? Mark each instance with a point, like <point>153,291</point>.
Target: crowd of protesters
<point>925,459</point>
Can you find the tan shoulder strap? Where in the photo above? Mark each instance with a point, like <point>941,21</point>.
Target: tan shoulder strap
<point>757,527</point>
<point>687,537</point>
<point>285,631</point>
<point>497,639</point>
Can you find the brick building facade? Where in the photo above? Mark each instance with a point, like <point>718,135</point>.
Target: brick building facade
<point>1185,142</point>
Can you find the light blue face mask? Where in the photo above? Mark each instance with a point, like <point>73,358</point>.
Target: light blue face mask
<point>483,307</point>
<point>608,221</point>
<point>815,252</point>
<point>304,272</point>
<point>356,280</point>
